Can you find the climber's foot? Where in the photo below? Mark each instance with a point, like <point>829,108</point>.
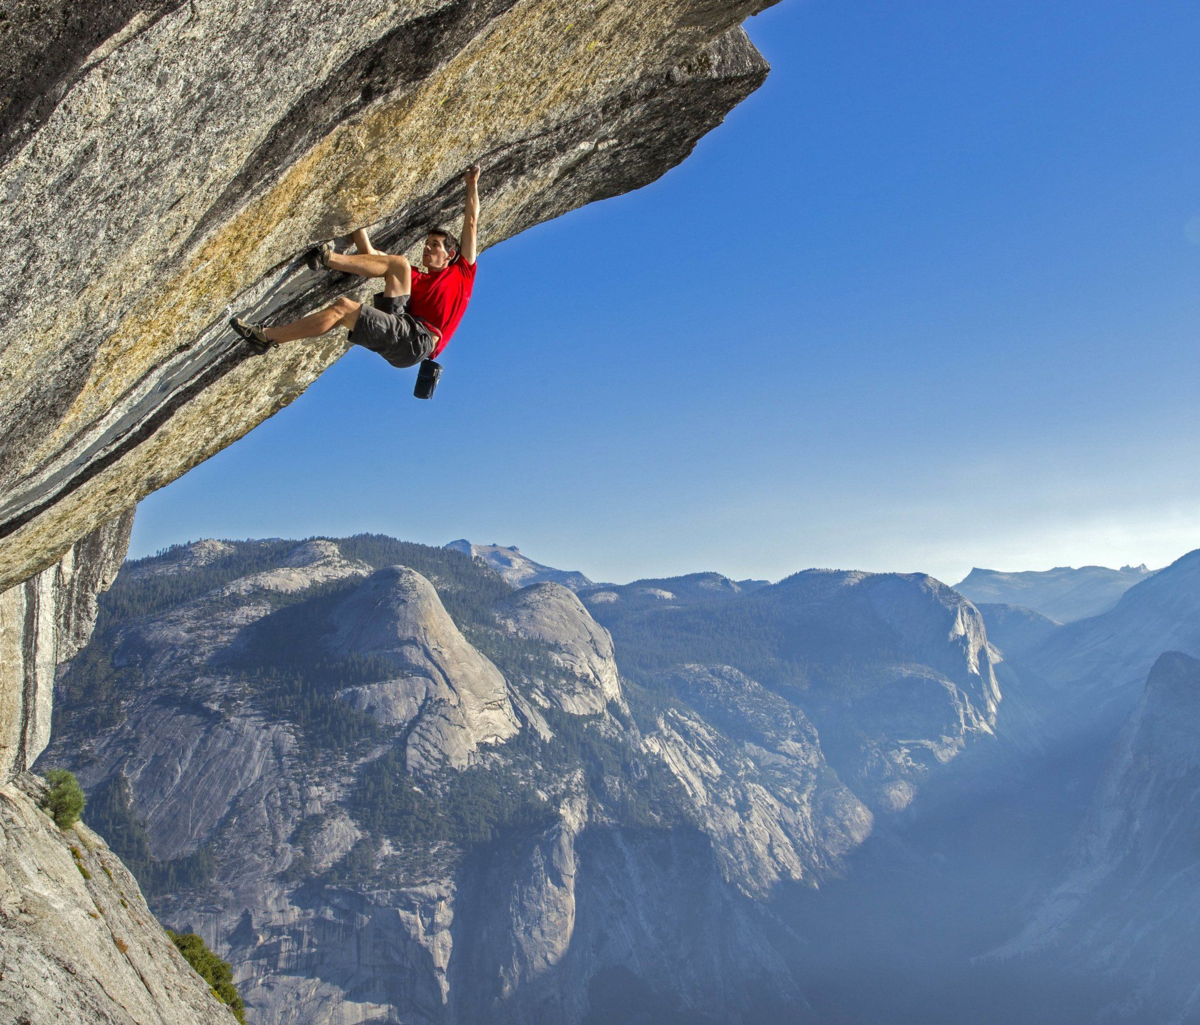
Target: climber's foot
<point>318,256</point>
<point>252,334</point>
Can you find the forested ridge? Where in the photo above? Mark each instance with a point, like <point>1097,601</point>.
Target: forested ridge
<point>286,672</point>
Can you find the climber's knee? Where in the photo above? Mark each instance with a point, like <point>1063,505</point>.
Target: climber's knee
<point>347,311</point>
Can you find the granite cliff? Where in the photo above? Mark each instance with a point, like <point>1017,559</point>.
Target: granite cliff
<point>389,786</point>
<point>165,162</point>
<point>183,163</point>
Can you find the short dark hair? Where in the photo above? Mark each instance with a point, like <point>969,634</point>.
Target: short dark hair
<point>448,240</point>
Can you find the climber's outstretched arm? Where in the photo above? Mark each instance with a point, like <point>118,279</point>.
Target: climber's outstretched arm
<point>471,215</point>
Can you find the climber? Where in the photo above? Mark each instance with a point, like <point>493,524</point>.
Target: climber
<point>416,313</point>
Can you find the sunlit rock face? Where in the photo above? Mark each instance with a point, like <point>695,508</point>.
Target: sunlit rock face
<point>517,569</point>
<point>455,699</point>
<point>176,160</point>
<point>78,945</point>
<point>552,614</point>
<point>752,768</point>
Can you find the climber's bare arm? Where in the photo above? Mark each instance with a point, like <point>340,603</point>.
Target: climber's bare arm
<point>471,214</point>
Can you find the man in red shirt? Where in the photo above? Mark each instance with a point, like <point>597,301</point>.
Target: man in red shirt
<point>417,311</point>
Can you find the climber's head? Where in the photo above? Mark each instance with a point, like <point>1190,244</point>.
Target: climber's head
<point>440,249</point>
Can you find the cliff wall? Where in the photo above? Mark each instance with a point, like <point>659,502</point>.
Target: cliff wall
<point>164,164</point>
<point>196,154</point>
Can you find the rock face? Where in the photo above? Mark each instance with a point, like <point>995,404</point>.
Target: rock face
<point>1128,905</point>
<point>752,768</point>
<point>78,945</point>
<point>520,570</point>
<point>383,799</point>
<point>895,671</point>
<point>1016,630</point>
<point>1063,594</point>
<point>553,615</point>
<point>449,695</point>
<point>45,621</point>
<point>165,162</point>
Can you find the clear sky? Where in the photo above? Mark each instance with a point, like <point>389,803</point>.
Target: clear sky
<point>927,300</point>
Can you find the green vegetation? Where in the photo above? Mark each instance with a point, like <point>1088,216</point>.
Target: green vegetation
<point>113,818</point>
<point>282,660</point>
<point>90,690</point>
<point>217,973</point>
<point>65,800</point>
<point>468,587</point>
<point>78,856</point>
<point>472,806</point>
<point>139,591</point>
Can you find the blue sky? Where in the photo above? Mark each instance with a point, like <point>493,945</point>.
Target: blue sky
<point>927,300</point>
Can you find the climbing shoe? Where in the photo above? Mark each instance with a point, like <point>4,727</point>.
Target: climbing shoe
<point>252,334</point>
<point>318,256</point>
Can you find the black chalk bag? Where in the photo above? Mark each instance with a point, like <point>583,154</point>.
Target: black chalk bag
<point>427,379</point>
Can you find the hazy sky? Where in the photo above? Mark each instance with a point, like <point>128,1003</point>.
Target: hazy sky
<point>927,300</point>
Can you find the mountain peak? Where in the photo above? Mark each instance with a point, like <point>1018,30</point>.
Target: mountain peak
<point>517,569</point>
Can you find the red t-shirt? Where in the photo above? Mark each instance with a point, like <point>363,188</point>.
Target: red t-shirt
<point>440,298</point>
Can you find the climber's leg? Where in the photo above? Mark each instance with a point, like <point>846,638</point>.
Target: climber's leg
<point>398,280</point>
<point>342,313</point>
<point>395,270</point>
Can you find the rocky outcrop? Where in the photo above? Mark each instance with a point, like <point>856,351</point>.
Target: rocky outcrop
<point>178,159</point>
<point>451,696</point>
<point>603,924</point>
<point>552,614</point>
<point>43,622</point>
<point>517,569</point>
<point>752,768</point>
<point>602,877</point>
<point>78,945</point>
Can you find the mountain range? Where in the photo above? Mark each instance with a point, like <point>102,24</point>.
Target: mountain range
<point>1062,594</point>
<point>390,786</point>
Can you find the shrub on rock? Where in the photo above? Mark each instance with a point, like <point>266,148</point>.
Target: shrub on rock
<point>65,801</point>
<point>217,973</point>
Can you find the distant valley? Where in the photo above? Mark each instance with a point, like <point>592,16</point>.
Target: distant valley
<point>393,783</point>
